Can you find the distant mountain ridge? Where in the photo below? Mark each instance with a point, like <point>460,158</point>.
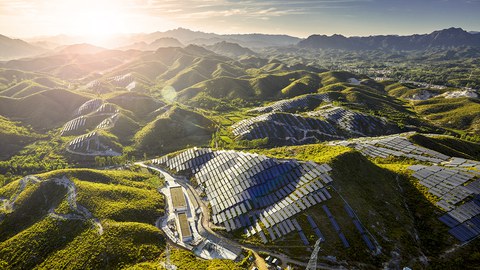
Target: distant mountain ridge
<point>451,37</point>
<point>16,48</point>
<point>187,36</point>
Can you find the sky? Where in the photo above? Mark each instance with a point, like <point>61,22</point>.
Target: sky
<point>301,18</point>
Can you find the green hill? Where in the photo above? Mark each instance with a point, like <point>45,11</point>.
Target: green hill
<point>44,110</point>
<point>448,145</point>
<point>14,137</point>
<point>457,113</point>
<point>173,130</point>
<point>104,219</point>
<point>140,105</point>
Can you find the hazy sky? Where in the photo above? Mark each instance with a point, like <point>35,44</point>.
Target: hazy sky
<point>23,18</point>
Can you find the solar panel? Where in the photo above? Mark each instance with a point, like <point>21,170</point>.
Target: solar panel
<point>449,220</point>
<point>303,238</point>
<point>349,211</point>
<point>368,242</point>
<point>358,226</point>
<point>272,235</point>
<point>327,211</point>
<point>344,240</point>
<point>318,233</point>
<point>262,236</point>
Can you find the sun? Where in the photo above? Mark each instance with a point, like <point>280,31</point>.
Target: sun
<point>97,26</point>
<point>96,21</point>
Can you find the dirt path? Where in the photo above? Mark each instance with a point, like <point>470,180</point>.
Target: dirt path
<point>259,261</point>
<point>79,210</point>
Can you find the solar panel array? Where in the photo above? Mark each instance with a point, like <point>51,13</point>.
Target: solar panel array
<point>336,226</point>
<point>355,123</point>
<point>83,142</point>
<point>451,185</point>
<point>247,190</point>
<point>294,104</point>
<point>329,123</point>
<point>107,108</point>
<point>122,80</point>
<point>464,220</point>
<point>108,122</point>
<point>359,227</point>
<point>393,145</point>
<point>462,163</point>
<point>285,127</point>
<point>451,179</point>
<point>315,228</point>
<point>301,233</point>
<point>73,125</point>
<point>90,142</point>
<point>455,185</point>
<point>88,107</point>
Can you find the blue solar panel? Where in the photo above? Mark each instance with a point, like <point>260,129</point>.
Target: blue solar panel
<point>368,242</point>
<point>327,211</point>
<point>247,221</point>
<point>472,227</point>
<point>461,233</point>
<point>334,224</point>
<point>349,211</point>
<point>242,221</point>
<point>312,222</point>
<point>358,226</point>
<point>449,220</point>
<point>476,220</point>
<point>318,233</point>
<point>344,240</point>
<point>477,200</point>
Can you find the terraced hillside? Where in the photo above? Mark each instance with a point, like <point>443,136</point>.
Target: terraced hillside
<point>326,123</point>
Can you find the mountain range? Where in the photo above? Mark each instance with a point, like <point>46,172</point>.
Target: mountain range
<point>447,38</point>
<point>452,37</point>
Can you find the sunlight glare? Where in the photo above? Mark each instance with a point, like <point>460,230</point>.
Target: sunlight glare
<point>96,21</point>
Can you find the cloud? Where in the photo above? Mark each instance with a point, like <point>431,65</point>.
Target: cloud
<point>204,9</point>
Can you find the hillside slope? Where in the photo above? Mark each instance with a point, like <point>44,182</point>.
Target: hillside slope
<point>107,216</point>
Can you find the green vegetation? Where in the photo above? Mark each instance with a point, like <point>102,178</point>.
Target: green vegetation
<point>449,146</point>
<point>39,156</point>
<point>173,130</point>
<point>319,153</point>
<point>458,113</point>
<point>125,203</point>
<point>13,137</point>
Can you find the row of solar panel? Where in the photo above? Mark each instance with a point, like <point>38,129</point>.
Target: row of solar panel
<point>359,227</point>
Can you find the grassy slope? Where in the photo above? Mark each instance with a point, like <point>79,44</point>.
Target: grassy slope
<point>126,203</point>
<point>44,110</point>
<point>457,113</point>
<point>13,137</point>
<point>174,130</point>
<point>450,146</point>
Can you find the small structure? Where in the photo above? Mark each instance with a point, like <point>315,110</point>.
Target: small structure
<point>183,227</point>
<point>179,203</point>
